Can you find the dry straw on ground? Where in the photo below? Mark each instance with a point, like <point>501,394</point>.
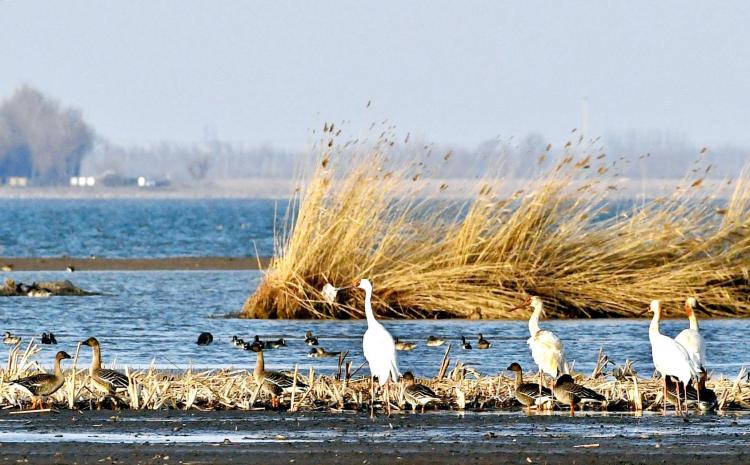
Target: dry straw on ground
<point>431,254</point>
<point>461,388</point>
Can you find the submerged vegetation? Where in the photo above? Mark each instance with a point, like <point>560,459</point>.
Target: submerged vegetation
<point>565,235</point>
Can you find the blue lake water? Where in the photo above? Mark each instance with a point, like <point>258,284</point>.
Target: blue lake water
<point>145,316</point>
<point>137,228</point>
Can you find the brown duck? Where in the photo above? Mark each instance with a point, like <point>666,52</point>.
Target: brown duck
<point>110,382</point>
<point>42,385</point>
<point>529,394</point>
<point>418,394</point>
<point>274,383</point>
<point>569,393</point>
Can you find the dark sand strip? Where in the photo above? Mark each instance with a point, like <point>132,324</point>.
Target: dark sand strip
<point>133,264</point>
<point>281,438</point>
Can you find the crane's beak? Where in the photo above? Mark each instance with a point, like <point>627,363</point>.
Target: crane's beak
<point>644,313</point>
<point>526,303</point>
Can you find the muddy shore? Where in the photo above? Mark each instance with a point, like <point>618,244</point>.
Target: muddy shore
<point>452,438</point>
<point>132,264</point>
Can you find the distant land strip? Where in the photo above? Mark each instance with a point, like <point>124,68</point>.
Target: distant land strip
<point>132,264</point>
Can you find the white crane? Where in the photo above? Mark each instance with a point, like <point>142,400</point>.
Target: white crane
<point>691,338</point>
<point>379,349</point>
<point>670,358</point>
<point>546,348</point>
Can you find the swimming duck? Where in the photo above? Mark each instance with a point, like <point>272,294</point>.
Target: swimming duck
<point>310,339</point>
<point>433,341</point>
<point>465,345</point>
<point>108,381</point>
<point>277,344</point>
<point>483,343</point>
<point>319,352</point>
<point>417,394</point>
<point>70,268</point>
<point>11,339</point>
<point>403,345</point>
<point>569,393</point>
<point>257,341</point>
<point>274,383</point>
<point>529,394</point>
<point>237,342</point>
<point>205,339</point>
<point>41,385</point>
<point>48,338</point>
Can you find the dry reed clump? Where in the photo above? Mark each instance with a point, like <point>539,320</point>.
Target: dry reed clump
<point>460,388</point>
<point>561,236</point>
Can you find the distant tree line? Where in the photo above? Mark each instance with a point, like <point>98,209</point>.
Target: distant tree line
<point>41,140</point>
<point>48,143</point>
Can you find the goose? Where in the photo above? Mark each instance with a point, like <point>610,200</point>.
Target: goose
<point>319,352</point>
<point>528,394</point>
<point>569,393</point>
<point>434,341</point>
<point>42,385</point>
<point>417,394</point>
<point>379,349</point>
<point>274,383</point>
<point>310,339</point>
<point>404,346</point>
<point>483,343</point>
<point>10,339</point>
<point>668,355</point>
<point>110,382</point>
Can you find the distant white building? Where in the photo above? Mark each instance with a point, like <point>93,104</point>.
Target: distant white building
<point>83,181</point>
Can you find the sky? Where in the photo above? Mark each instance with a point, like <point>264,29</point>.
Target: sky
<point>267,72</point>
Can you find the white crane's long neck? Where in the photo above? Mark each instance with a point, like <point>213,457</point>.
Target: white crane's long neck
<point>653,328</point>
<point>534,320</point>
<point>693,320</point>
<point>368,307</point>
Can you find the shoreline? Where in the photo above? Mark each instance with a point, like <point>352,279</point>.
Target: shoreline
<point>133,264</point>
<point>281,438</point>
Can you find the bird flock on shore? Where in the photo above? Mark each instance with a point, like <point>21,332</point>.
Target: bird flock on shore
<point>681,362</point>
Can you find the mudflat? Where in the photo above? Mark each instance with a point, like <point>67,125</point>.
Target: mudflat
<point>324,438</point>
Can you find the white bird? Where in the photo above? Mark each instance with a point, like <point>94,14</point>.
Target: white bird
<point>546,348</point>
<point>669,357</point>
<point>691,338</point>
<point>379,348</point>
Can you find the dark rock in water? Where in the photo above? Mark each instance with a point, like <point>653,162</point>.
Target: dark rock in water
<point>205,339</point>
<point>42,289</point>
<point>48,338</point>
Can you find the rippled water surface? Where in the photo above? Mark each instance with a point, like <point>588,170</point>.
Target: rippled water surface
<point>137,228</point>
<point>145,316</point>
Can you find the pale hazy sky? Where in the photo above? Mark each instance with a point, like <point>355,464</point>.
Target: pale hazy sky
<point>452,72</point>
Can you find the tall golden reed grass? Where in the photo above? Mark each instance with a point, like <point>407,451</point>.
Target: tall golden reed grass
<point>432,253</point>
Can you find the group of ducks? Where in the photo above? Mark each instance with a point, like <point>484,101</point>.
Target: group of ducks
<point>680,361</point>
<point>10,339</point>
<point>41,385</point>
